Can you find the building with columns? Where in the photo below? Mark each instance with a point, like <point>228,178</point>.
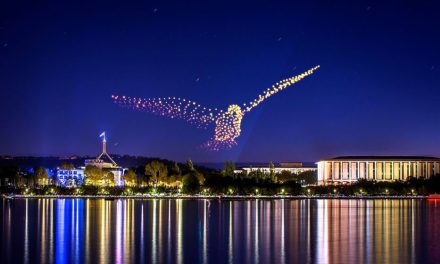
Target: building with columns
<point>379,168</point>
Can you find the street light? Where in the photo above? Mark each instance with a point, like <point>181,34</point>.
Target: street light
<point>256,191</point>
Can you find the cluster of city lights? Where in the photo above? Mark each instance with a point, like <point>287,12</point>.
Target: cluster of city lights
<point>227,123</point>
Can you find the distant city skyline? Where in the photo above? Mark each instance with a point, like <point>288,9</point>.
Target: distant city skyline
<point>376,92</point>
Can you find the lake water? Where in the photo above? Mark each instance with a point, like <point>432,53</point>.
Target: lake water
<point>219,231</point>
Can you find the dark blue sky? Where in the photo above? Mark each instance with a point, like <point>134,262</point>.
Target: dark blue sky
<point>376,93</point>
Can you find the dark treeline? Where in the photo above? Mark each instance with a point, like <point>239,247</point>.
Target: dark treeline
<point>167,177</point>
<point>158,176</point>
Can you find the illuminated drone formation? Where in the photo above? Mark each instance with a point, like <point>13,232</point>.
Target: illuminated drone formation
<point>227,123</point>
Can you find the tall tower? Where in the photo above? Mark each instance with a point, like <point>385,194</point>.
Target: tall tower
<point>104,149</point>
<point>104,142</point>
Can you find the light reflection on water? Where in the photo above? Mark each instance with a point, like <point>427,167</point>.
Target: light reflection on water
<point>214,231</point>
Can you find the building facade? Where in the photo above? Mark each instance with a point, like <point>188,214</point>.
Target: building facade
<point>70,177</point>
<point>292,167</point>
<point>110,166</point>
<point>379,168</point>
<point>74,177</point>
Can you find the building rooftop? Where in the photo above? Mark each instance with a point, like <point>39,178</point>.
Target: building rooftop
<point>427,158</point>
<point>287,165</point>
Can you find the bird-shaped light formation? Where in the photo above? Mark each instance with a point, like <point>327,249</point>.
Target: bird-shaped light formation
<point>227,123</point>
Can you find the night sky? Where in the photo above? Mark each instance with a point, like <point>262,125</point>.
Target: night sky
<point>377,91</point>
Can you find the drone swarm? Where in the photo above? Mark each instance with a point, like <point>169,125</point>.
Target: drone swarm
<point>227,123</point>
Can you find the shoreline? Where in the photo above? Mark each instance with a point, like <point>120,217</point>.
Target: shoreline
<point>218,197</point>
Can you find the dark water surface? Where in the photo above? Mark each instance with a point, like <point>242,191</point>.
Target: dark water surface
<point>214,231</point>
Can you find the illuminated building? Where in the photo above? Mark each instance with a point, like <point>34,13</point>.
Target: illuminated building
<point>70,177</point>
<point>292,167</point>
<point>111,166</point>
<point>76,176</point>
<point>227,122</point>
<point>379,168</point>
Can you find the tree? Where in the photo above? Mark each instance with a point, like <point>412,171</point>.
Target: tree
<point>228,169</point>
<point>10,174</point>
<point>130,178</point>
<point>191,184</point>
<point>108,179</point>
<point>157,170</point>
<point>175,178</point>
<point>93,175</point>
<point>307,177</point>
<point>67,166</point>
<point>284,176</point>
<point>200,177</point>
<point>41,176</point>
<point>143,180</point>
<point>257,175</point>
<point>175,170</point>
<point>272,171</point>
<point>190,165</point>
